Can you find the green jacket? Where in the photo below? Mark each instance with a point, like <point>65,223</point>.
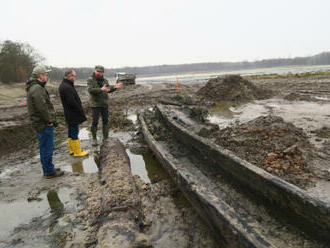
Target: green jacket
<point>40,109</point>
<point>98,98</point>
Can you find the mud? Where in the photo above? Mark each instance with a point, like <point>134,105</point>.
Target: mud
<point>23,188</point>
<point>192,168</point>
<point>232,88</point>
<point>272,144</point>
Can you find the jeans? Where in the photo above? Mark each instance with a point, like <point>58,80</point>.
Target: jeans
<point>46,147</point>
<point>96,111</point>
<point>73,131</point>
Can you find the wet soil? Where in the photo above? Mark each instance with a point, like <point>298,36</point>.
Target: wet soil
<point>272,144</point>
<point>23,187</point>
<point>40,225</point>
<point>280,234</point>
<point>232,88</point>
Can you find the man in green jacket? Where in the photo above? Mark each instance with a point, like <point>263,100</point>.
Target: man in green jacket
<point>99,89</point>
<point>42,116</point>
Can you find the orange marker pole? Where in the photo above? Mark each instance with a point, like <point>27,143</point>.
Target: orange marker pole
<point>24,103</point>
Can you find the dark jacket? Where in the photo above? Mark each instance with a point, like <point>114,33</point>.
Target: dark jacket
<point>73,110</point>
<point>40,109</point>
<point>98,98</point>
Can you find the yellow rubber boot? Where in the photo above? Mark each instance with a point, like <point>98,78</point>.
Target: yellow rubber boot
<point>70,146</point>
<point>77,149</point>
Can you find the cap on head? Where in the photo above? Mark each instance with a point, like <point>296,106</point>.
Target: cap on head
<point>40,69</point>
<point>99,68</point>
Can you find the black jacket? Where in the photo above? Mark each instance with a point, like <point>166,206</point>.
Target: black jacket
<point>73,110</point>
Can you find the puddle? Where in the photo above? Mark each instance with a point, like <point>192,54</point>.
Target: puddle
<point>17,213</point>
<point>306,115</point>
<point>321,190</point>
<point>147,167</point>
<point>82,165</point>
<point>84,134</point>
<point>6,173</point>
<point>132,117</point>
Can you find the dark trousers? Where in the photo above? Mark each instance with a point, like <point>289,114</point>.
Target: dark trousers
<point>73,131</point>
<point>46,146</point>
<point>96,112</point>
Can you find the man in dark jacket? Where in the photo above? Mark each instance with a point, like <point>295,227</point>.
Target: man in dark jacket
<point>42,116</point>
<point>99,89</point>
<point>73,112</point>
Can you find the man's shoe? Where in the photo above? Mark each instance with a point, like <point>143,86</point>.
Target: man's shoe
<point>56,173</point>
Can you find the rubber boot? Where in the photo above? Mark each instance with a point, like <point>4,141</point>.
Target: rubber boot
<point>105,131</point>
<point>77,149</point>
<point>70,146</point>
<point>94,132</point>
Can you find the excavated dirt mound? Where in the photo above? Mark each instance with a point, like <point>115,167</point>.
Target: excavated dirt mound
<point>232,88</point>
<point>272,144</point>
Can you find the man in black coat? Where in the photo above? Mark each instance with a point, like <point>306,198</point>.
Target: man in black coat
<point>73,112</point>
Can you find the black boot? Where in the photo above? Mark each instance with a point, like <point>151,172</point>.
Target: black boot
<point>94,132</point>
<point>105,131</point>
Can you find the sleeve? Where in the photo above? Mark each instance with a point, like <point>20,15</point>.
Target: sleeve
<point>39,100</point>
<point>92,89</point>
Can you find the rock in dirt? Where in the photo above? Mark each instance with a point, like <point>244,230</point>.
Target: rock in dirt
<point>232,88</point>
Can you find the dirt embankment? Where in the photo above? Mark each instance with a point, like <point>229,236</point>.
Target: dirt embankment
<point>272,144</point>
<point>232,88</point>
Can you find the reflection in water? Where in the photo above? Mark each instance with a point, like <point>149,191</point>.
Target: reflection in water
<point>155,170</point>
<point>56,208</point>
<point>54,201</point>
<point>147,167</point>
<point>16,215</point>
<point>224,109</point>
<point>77,167</point>
<point>83,165</point>
<point>138,166</point>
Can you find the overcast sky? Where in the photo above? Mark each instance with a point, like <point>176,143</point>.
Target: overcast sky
<point>119,33</point>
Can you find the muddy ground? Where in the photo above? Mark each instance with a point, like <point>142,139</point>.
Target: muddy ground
<point>64,212</point>
<point>52,213</point>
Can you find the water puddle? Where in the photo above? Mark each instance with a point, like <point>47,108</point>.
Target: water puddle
<point>82,165</point>
<point>22,212</point>
<point>306,115</point>
<point>87,164</point>
<point>84,134</point>
<point>132,117</point>
<point>147,167</point>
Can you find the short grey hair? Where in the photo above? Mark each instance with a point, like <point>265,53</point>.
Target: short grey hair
<point>68,72</point>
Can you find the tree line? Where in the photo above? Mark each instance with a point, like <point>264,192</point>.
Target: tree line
<point>319,59</point>
<point>18,59</point>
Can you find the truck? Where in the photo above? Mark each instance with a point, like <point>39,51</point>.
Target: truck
<point>125,78</point>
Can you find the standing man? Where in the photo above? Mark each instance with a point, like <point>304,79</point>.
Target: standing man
<point>73,112</point>
<point>99,88</point>
<point>42,116</point>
